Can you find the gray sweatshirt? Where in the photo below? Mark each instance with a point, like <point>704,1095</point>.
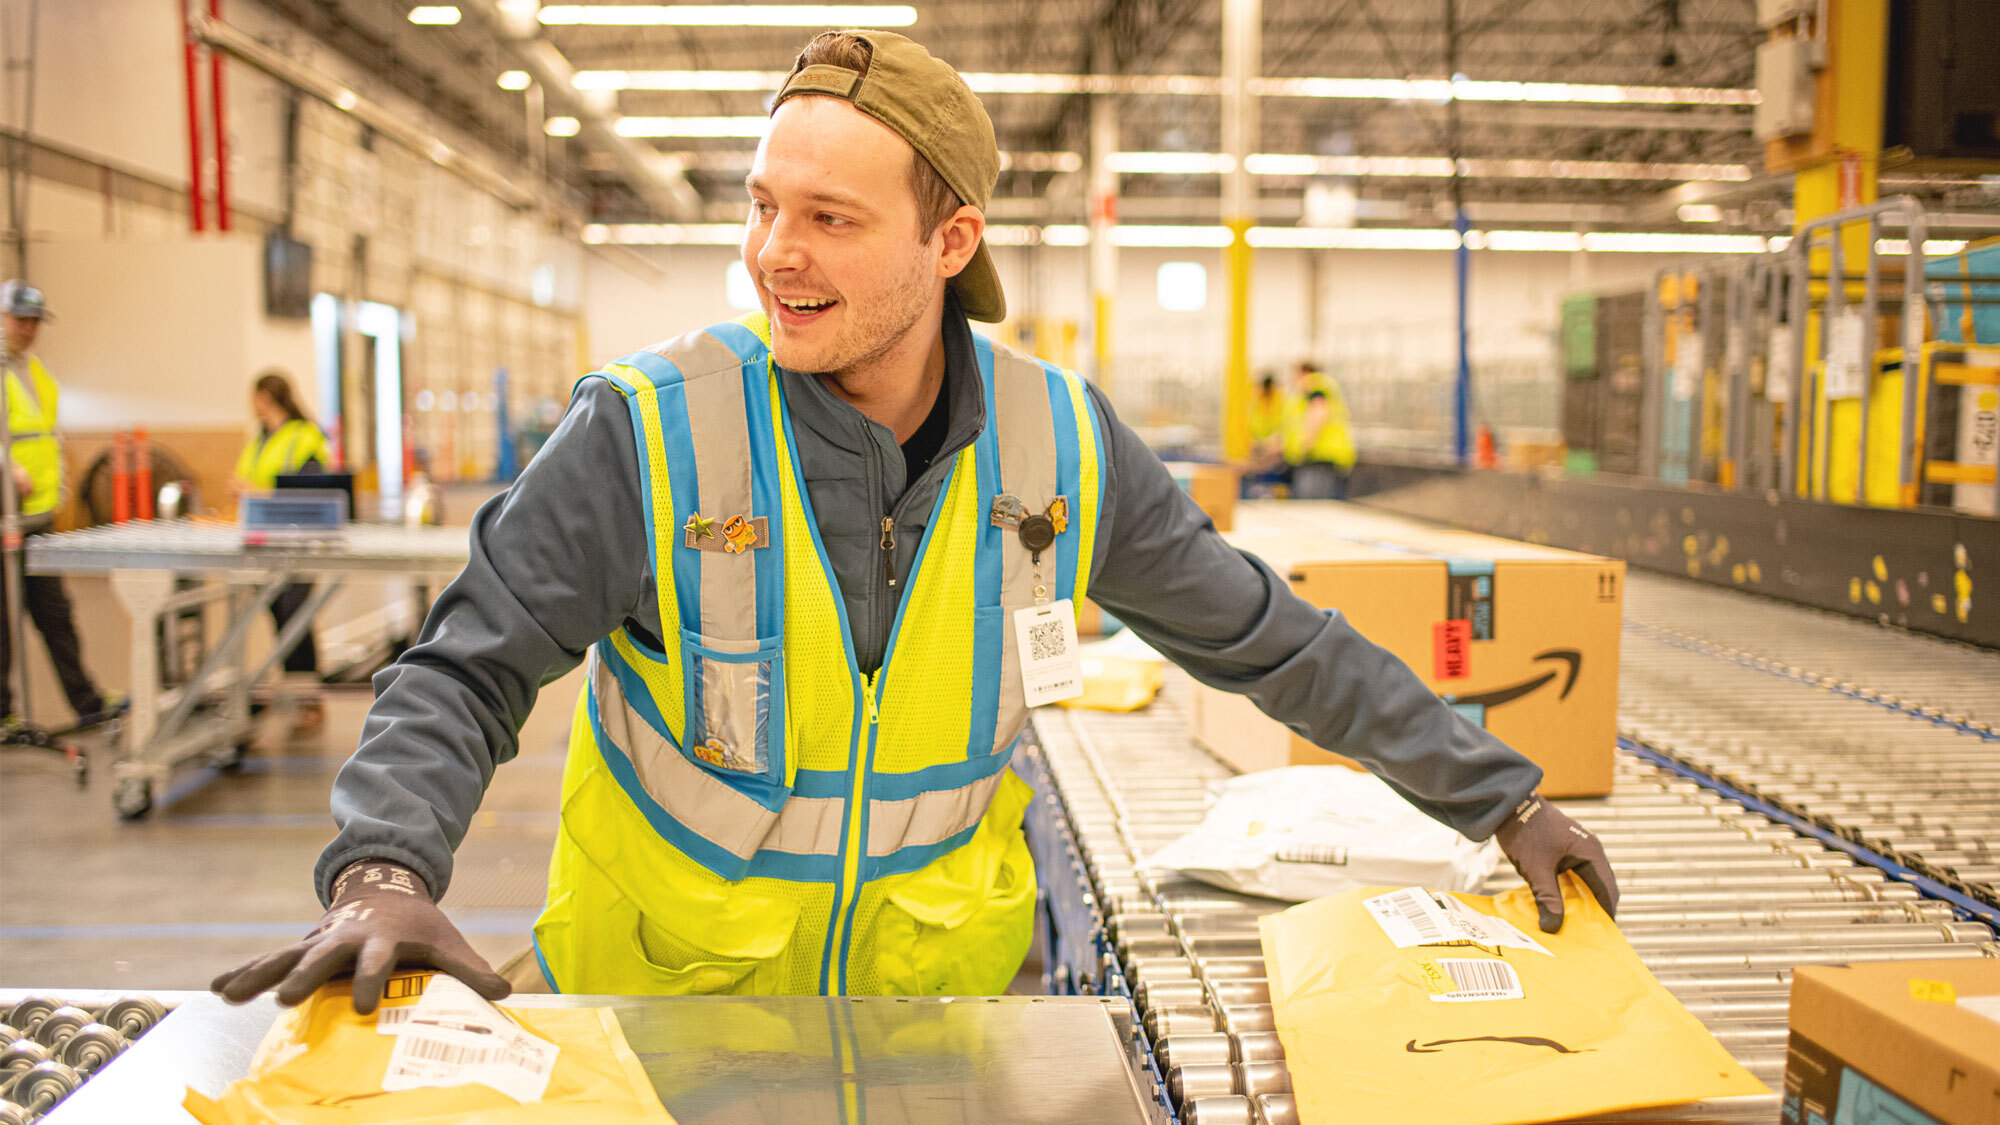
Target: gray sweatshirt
<point>559,560</point>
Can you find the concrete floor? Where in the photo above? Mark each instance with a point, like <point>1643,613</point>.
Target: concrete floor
<point>221,870</point>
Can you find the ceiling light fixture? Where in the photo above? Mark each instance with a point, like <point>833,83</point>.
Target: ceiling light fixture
<point>513,80</point>
<point>562,126</point>
<point>434,15</point>
<point>691,126</point>
<point>730,15</point>
<point>1367,89</point>
<point>1193,236</point>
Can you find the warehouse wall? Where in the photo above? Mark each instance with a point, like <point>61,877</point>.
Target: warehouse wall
<point>481,287</point>
<point>1373,313</point>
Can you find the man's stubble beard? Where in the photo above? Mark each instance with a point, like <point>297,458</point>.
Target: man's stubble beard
<point>870,334</point>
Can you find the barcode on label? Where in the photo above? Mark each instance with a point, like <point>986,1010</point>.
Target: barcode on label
<point>1045,641</point>
<point>1415,910</point>
<point>1480,980</point>
<point>454,1054</point>
<point>390,1017</point>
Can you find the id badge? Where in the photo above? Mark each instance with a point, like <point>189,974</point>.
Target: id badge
<point>1046,638</point>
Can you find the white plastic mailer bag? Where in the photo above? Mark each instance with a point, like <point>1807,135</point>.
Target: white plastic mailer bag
<point>1305,832</point>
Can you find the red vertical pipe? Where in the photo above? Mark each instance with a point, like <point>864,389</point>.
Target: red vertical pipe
<point>221,133</point>
<point>121,477</point>
<point>142,475</point>
<point>194,121</point>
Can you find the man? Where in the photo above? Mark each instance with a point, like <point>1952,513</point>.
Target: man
<point>811,557</point>
<point>35,461</point>
<point>1318,440</point>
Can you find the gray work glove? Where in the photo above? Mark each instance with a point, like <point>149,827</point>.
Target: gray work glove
<point>1542,843</point>
<point>382,917</point>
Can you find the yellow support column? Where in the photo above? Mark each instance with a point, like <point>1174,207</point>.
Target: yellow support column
<point>1236,377</point>
<point>1242,25</point>
<point>1835,169</point>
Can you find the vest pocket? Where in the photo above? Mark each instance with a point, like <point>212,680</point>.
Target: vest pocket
<point>694,965</point>
<point>735,693</point>
<point>961,925</point>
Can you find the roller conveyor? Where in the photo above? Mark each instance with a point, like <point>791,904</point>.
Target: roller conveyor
<point>1902,784</point>
<point>1717,900</point>
<point>1832,651</point>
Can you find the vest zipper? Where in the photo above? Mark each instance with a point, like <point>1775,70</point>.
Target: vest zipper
<point>888,533</point>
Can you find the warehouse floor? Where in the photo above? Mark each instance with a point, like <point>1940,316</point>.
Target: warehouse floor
<point>221,870</point>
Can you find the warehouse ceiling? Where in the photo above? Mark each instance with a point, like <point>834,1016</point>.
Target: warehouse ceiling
<point>1682,44</point>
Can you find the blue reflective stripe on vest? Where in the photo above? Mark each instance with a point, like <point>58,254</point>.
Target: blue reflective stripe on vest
<point>765,864</point>
<point>989,625</point>
<point>666,379</point>
<point>1069,461</point>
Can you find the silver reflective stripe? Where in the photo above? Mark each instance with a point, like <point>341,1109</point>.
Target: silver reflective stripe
<point>928,818</point>
<point>1026,435</point>
<point>702,802</point>
<point>719,428</point>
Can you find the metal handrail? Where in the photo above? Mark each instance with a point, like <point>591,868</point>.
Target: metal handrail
<point>1799,253</point>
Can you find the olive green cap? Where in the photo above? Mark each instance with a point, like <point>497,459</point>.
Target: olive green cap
<point>927,104</point>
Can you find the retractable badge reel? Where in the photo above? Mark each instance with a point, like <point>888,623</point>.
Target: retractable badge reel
<point>1044,633</point>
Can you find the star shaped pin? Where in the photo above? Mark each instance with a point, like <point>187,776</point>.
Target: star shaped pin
<point>700,526</point>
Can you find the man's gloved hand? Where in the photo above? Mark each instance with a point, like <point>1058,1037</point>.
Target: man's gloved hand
<point>382,916</point>
<point>1542,843</point>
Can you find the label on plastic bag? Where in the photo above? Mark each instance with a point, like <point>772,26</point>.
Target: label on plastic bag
<point>1475,980</point>
<point>453,1036</point>
<point>1410,917</point>
<point>1414,916</point>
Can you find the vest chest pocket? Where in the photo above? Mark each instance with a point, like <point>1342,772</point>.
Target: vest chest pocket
<point>735,692</point>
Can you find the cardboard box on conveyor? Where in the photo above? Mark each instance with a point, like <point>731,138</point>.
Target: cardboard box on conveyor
<point>1894,1041</point>
<point>1519,638</point>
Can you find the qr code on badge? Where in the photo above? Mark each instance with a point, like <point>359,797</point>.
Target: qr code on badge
<point>1045,641</point>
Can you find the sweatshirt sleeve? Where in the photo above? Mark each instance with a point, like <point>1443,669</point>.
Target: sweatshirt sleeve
<point>1234,624</point>
<point>556,563</point>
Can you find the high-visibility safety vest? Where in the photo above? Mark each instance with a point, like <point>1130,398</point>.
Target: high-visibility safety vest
<point>744,811</point>
<point>31,422</point>
<point>1267,415</point>
<point>285,451</point>
<point>1335,444</point>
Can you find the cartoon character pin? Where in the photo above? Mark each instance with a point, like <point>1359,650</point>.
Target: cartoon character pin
<point>734,535</point>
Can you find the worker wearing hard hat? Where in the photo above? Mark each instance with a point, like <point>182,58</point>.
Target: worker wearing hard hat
<point>35,460</point>
<point>820,562</point>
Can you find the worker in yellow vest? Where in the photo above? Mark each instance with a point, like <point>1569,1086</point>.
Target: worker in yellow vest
<point>286,443</point>
<point>1318,438</point>
<point>35,462</point>
<point>821,562</point>
<point>1265,469</point>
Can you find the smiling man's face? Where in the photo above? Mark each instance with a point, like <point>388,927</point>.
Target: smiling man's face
<point>832,240</point>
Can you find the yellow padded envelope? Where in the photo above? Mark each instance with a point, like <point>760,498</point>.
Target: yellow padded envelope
<point>321,1064</point>
<point>1380,1033</point>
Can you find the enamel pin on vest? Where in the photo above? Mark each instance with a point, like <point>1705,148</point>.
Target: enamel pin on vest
<point>736,535</point>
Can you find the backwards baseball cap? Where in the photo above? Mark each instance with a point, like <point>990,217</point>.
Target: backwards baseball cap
<point>927,104</point>
<point>20,299</point>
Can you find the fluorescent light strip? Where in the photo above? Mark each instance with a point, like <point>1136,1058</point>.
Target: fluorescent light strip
<point>562,127</point>
<point>1299,164</point>
<point>691,126</point>
<point>730,15</point>
<point>1932,246</point>
<point>513,80</point>
<point>738,160</point>
<point>434,15</point>
<point>1369,89</point>
<point>1191,236</point>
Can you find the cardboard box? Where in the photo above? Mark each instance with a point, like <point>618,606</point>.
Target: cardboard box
<point>1214,488</point>
<point>1521,639</point>
<point>1891,1042</point>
